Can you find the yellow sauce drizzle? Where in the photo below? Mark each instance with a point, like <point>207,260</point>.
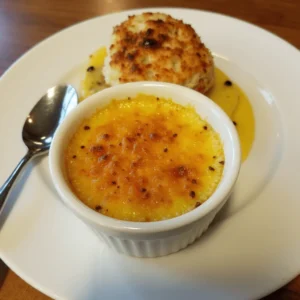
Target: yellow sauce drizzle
<point>237,106</point>
<point>231,98</point>
<point>93,81</point>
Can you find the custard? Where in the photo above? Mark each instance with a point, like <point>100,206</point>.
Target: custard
<point>144,159</point>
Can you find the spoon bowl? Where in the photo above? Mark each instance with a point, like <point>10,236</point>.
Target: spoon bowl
<point>46,115</point>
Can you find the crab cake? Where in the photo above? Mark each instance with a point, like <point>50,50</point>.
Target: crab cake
<point>157,47</point>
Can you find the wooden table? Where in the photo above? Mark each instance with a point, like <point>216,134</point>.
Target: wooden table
<point>23,23</point>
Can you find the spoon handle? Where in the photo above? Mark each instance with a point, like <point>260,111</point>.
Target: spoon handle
<point>10,182</point>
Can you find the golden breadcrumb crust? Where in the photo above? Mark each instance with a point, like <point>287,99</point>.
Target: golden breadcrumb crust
<point>155,46</point>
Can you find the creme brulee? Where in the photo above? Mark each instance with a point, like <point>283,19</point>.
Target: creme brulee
<point>144,159</point>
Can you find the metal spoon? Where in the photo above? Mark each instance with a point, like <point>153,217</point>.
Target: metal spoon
<point>39,129</point>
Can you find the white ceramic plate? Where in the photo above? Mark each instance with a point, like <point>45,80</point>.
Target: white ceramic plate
<point>252,250</point>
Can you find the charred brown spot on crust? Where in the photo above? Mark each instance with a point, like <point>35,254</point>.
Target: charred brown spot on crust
<point>158,21</point>
<point>103,157</point>
<point>130,139</point>
<point>149,31</point>
<point>130,56</point>
<point>150,43</point>
<point>98,207</point>
<point>163,37</point>
<point>97,148</point>
<point>197,204</point>
<point>192,194</point>
<point>180,171</point>
<point>154,136</point>
<point>136,163</point>
<point>204,65</point>
<point>129,40</point>
<point>134,68</point>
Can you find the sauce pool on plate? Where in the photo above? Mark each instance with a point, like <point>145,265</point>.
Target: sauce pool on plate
<point>235,103</point>
<point>94,79</point>
<point>225,93</point>
<point>144,159</point>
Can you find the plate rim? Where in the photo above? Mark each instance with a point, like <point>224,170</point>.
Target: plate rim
<point>11,264</point>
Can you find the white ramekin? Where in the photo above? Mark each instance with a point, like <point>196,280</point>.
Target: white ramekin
<point>149,239</point>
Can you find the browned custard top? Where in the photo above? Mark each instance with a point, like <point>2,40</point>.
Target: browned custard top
<point>144,159</point>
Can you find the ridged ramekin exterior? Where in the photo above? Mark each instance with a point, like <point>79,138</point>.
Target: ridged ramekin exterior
<point>149,246</point>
